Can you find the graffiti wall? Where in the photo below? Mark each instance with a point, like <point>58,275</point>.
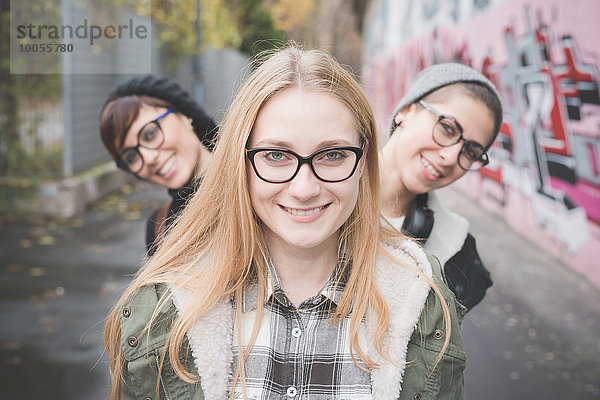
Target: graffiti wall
<point>544,57</point>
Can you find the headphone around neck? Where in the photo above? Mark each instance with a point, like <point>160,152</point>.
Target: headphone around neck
<point>418,222</point>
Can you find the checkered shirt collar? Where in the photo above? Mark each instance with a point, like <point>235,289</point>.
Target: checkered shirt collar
<point>330,291</point>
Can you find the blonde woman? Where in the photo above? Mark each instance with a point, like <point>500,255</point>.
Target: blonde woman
<point>278,280</point>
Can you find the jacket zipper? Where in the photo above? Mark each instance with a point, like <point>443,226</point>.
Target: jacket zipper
<point>167,397</point>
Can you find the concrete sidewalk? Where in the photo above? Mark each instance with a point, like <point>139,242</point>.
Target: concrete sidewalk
<point>59,279</point>
<point>61,198</point>
<point>535,335</point>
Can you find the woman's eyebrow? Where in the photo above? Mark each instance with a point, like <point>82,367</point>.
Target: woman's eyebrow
<point>287,145</point>
<point>272,142</point>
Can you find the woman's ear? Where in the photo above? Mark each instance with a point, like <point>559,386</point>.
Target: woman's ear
<point>398,118</point>
<point>405,114</point>
<point>185,119</point>
<point>401,117</point>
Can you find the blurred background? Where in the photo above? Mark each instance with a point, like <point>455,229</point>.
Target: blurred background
<point>72,225</point>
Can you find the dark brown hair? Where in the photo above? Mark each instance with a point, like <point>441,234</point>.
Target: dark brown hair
<point>123,105</point>
<point>117,117</point>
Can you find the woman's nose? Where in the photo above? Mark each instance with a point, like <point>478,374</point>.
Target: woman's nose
<point>150,156</point>
<point>305,184</point>
<point>449,154</point>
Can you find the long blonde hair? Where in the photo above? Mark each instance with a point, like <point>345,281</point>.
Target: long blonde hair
<point>219,227</point>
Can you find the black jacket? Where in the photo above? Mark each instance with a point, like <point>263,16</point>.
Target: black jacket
<point>467,276</point>
<point>179,198</point>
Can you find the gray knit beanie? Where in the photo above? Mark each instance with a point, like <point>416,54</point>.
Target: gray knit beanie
<point>439,75</point>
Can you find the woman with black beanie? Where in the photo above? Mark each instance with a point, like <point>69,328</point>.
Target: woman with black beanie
<point>155,130</point>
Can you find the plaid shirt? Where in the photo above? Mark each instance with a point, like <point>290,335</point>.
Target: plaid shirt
<point>299,353</point>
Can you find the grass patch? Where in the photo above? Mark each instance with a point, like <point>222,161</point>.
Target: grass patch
<point>37,166</point>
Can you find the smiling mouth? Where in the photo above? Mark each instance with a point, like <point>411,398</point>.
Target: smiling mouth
<point>303,213</point>
<point>167,167</point>
<point>429,167</point>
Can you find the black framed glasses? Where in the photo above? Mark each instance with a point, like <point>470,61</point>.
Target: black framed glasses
<point>448,132</point>
<point>332,164</point>
<point>151,136</point>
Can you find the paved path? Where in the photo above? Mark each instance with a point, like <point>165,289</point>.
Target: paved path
<point>535,336</point>
<point>58,281</point>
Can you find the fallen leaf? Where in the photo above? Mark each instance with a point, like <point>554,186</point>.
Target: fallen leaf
<point>14,268</point>
<point>49,323</point>
<point>98,249</point>
<point>132,215</point>
<point>50,293</point>
<point>38,220</point>
<point>16,360</point>
<point>126,189</point>
<point>36,271</point>
<point>10,345</point>
<point>75,223</point>
<point>37,231</point>
<point>105,234</point>
<point>46,240</point>
<point>109,288</point>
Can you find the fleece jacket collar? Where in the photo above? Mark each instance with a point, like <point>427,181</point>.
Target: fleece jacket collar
<point>404,290</point>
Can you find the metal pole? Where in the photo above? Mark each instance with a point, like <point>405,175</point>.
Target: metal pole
<point>198,86</point>
<point>67,98</point>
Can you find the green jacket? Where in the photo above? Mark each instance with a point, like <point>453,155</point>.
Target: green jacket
<point>416,338</point>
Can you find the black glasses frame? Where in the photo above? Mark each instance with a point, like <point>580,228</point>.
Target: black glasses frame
<point>467,144</point>
<point>250,153</point>
<point>122,164</point>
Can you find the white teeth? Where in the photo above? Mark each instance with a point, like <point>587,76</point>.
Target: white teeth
<point>430,168</point>
<point>303,212</point>
<point>167,166</point>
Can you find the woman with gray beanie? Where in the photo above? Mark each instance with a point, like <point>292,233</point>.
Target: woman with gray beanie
<point>440,129</point>
<point>156,131</point>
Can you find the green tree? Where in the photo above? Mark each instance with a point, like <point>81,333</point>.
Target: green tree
<point>14,89</point>
<point>243,24</point>
<point>8,100</point>
<point>256,26</point>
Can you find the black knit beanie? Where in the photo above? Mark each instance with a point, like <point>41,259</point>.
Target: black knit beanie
<point>170,91</point>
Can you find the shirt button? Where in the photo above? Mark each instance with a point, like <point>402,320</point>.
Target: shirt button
<point>296,332</point>
<point>291,391</point>
<point>316,301</point>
